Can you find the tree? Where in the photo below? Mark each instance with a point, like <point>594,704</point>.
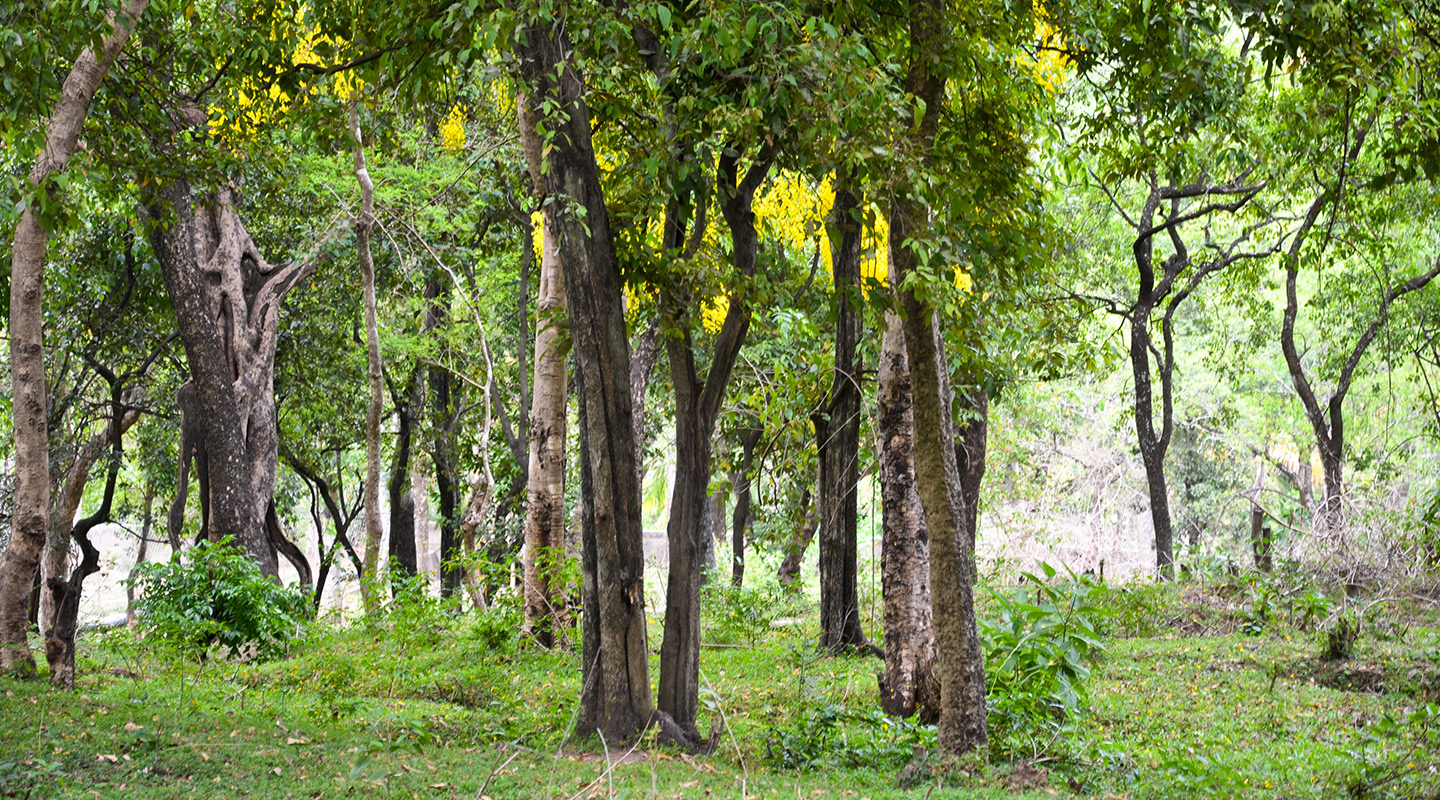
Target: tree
<point>615,685</point>
<point>545,506</point>
<point>27,355</point>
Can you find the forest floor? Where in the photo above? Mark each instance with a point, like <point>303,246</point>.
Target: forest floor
<point>1198,694</point>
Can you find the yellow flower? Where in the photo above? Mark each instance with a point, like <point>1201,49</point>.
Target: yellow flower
<point>452,130</point>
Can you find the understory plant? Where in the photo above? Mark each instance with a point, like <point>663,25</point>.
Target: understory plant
<point>1039,640</point>
<point>216,595</point>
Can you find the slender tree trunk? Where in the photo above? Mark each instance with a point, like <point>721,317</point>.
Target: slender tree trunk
<point>66,503</point>
<point>147,524</point>
<point>30,521</point>
<point>789,571</point>
<point>961,727</point>
<point>545,510</point>
<point>697,406</point>
<point>404,563</point>
<point>837,433</point>
<point>740,522</point>
<point>443,446</point>
<point>65,592</point>
<point>909,682</point>
<point>369,591</point>
<point>615,686</point>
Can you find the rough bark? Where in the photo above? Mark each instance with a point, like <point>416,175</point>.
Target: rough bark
<point>961,726</point>
<point>204,255</point>
<point>740,521</point>
<point>697,406</point>
<point>369,593</point>
<point>615,686</point>
<point>837,441</point>
<point>642,362</point>
<point>30,520</point>
<point>788,572</point>
<point>545,509</point>
<point>909,682</point>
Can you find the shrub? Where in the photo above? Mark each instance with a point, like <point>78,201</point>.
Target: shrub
<point>1036,654</point>
<point>217,596</point>
<point>834,735</point>
<point>737,613</point>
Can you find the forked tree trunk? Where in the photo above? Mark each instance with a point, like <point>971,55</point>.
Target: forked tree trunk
<point>66,503</point>
<point>961,727</point>
<point>697,406</point>
<point>545,510</point>
<point>30,521</point>
<point>909,682</point>
<point>369,591</point>
<point>615,684</point>
<point>65,591</point>
<point>837,435</point>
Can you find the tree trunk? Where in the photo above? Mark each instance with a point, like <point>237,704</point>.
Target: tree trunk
<point>65,592</point>
<point>545,510</point>
<point>444,446</point>
<point>837,434</point>
<point>909,682</point>
<point>227,302</point>
<point>789,571</point>
<point>369,591</point>
<point>404,563</point>
<point>30,520</point>
<point>147,524</point>
<point>740,522</point>
<point>961,726</point>
<point>65,503</point>
<point>697,406</point>
<point>615,686</point>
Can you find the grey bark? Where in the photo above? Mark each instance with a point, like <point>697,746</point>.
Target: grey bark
<point>615,685</point>
<point>909,683</point>
<point>364,223</point>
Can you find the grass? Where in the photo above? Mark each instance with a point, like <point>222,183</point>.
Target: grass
<point>425,705</point>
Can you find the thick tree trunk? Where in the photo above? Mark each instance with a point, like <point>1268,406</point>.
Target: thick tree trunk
<point>697,406</point>
<point>227,302</point>
<point>788,572</point>
<point>545,509</point>
<point>30,521</point>
<point>615,686</point>
<point>369,591</point>
<point>740,522</point>
<point>837,434</point>
<point>909,682</point>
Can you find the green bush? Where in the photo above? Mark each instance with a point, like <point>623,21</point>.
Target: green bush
<point>834,735</point>
<point>217,596</point>
<point>1036,652</point>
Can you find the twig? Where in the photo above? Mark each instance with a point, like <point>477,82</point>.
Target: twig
<point>494,772</point>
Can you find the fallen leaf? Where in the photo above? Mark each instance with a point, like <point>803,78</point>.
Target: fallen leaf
<point>275,771</point>
<point>204,756</point>
<point>439,786</point>
<point>297,740</point>
<point>131,727</point>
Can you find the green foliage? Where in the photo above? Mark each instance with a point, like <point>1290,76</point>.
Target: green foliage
<point>743,613</point>
<point>834,735</point>
<point>217,596</point>
<point>1038,640</point>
